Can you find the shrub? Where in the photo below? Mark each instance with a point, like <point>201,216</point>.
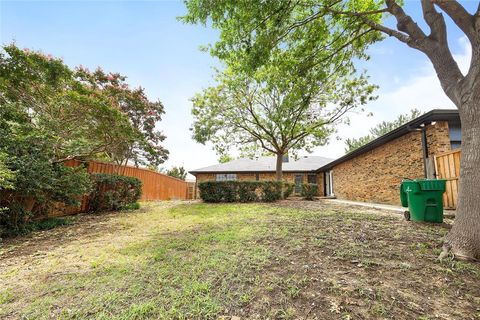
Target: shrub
<point>241,191</point>
<point>36,189</point>
<point>247,191</point>
<point>228,191</point>
<point>309,191</point>
<point>272,190</point>
<point>288,189</point>
<point>49,223</point>
<point>131,206</point>
<point>113,192</point>
<point>218,191</point>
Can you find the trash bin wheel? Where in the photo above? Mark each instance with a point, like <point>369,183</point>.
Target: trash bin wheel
<point>406,214</point>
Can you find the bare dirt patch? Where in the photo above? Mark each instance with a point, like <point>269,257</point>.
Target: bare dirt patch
<point>289,260</point>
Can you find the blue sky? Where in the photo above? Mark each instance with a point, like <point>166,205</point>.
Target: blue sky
<point>144,41</point>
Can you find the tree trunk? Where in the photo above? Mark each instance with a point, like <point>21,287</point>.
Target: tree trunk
<point>278,169</point>
<point>464,238</point>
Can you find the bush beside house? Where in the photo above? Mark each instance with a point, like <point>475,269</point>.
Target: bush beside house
<point>309,191</point>
<point>240,191</point>
<point>288,189</point>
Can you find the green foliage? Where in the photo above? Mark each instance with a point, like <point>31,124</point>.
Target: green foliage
<point>381,129</point>
<point>288,189</point>
<point>177,172</point>
<point>14,218</point>
<point>240,191</point>
<point>285,86</point>
<point>131,206</point>
<point>49,223</point>
<point>38,182</point>
<point>275,114</point>
<point>224,158</point>
<point>50,113</point>
<point>253,32</point>
<point>143,144</point>
<point>42,96</point>
<point>113,192</point>
<point>271,190</point>
<point>247,191</point>
<point>7,176</point>
<point>309,191</point>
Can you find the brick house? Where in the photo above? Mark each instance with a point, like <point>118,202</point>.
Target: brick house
<point>372,173</point>
<point>298,171</point>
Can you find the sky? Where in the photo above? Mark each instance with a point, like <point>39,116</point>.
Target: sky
<point>144,41</point>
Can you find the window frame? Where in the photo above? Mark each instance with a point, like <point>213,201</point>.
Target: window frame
<point>225,177</point>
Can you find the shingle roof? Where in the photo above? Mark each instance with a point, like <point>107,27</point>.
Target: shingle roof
<point>266,164</point>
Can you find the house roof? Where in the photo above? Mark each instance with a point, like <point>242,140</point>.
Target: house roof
<point>431,116</point>
<point>316,163</point>
<point>265,164</point>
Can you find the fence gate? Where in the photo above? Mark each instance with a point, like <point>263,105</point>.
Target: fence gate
<point>447,166</point>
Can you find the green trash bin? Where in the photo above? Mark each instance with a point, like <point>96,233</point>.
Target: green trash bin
<point>423,199</point>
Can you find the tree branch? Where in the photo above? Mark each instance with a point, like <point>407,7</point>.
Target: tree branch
<point>459,15</point>
<point>374,25</point>
<point>405,23</point>
<point>435,21</point>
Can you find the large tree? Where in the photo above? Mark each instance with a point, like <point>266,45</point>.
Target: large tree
<point>41,91</point>
<point>144,147</point>
<point>49,114</point>
<point>274,98</point>
<point>279,24</point>
<point>273,112</point>
<point>177,172</point>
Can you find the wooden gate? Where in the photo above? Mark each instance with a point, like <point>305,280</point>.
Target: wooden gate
<point>447,166</point>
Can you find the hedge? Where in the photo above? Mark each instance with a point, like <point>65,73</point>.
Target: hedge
<point>113,192</point>
<point>240,191</point>
<point>288,189</point>
<point>309,191</point>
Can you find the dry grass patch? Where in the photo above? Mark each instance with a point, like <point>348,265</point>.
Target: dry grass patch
<point>289,260</point>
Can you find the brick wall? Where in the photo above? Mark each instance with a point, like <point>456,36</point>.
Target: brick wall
<point>438,138</point>
<point>269,176</point>
<point>375,176</point>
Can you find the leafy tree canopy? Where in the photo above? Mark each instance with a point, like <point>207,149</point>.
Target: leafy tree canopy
<point>49,114</point>
<point>177,172</point>
<point>277,96</point>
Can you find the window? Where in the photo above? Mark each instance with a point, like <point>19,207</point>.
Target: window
<point>455,132</point>
<point>298,183</point>
<point>226,177</point>
<point>257,176</point>
<point>312,178</point>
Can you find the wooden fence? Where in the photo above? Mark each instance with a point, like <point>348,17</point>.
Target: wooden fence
<point>447,166</point>
<point>155,186</point>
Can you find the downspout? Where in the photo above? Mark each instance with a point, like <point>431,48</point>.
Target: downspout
<point>324,184</point>
<point>425,151</point>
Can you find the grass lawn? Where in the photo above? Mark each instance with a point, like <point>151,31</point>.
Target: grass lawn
<point>292,260</point>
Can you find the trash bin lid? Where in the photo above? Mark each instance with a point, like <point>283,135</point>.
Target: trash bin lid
<point>432,184</point>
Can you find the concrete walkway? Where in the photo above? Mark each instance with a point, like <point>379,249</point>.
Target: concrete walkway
<point>398,209</point>
<point>369,205</point>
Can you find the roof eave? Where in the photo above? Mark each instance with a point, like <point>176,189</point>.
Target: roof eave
<point>433,115</point>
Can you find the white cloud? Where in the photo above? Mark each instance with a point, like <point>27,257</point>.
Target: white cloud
<point>421,91</point>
